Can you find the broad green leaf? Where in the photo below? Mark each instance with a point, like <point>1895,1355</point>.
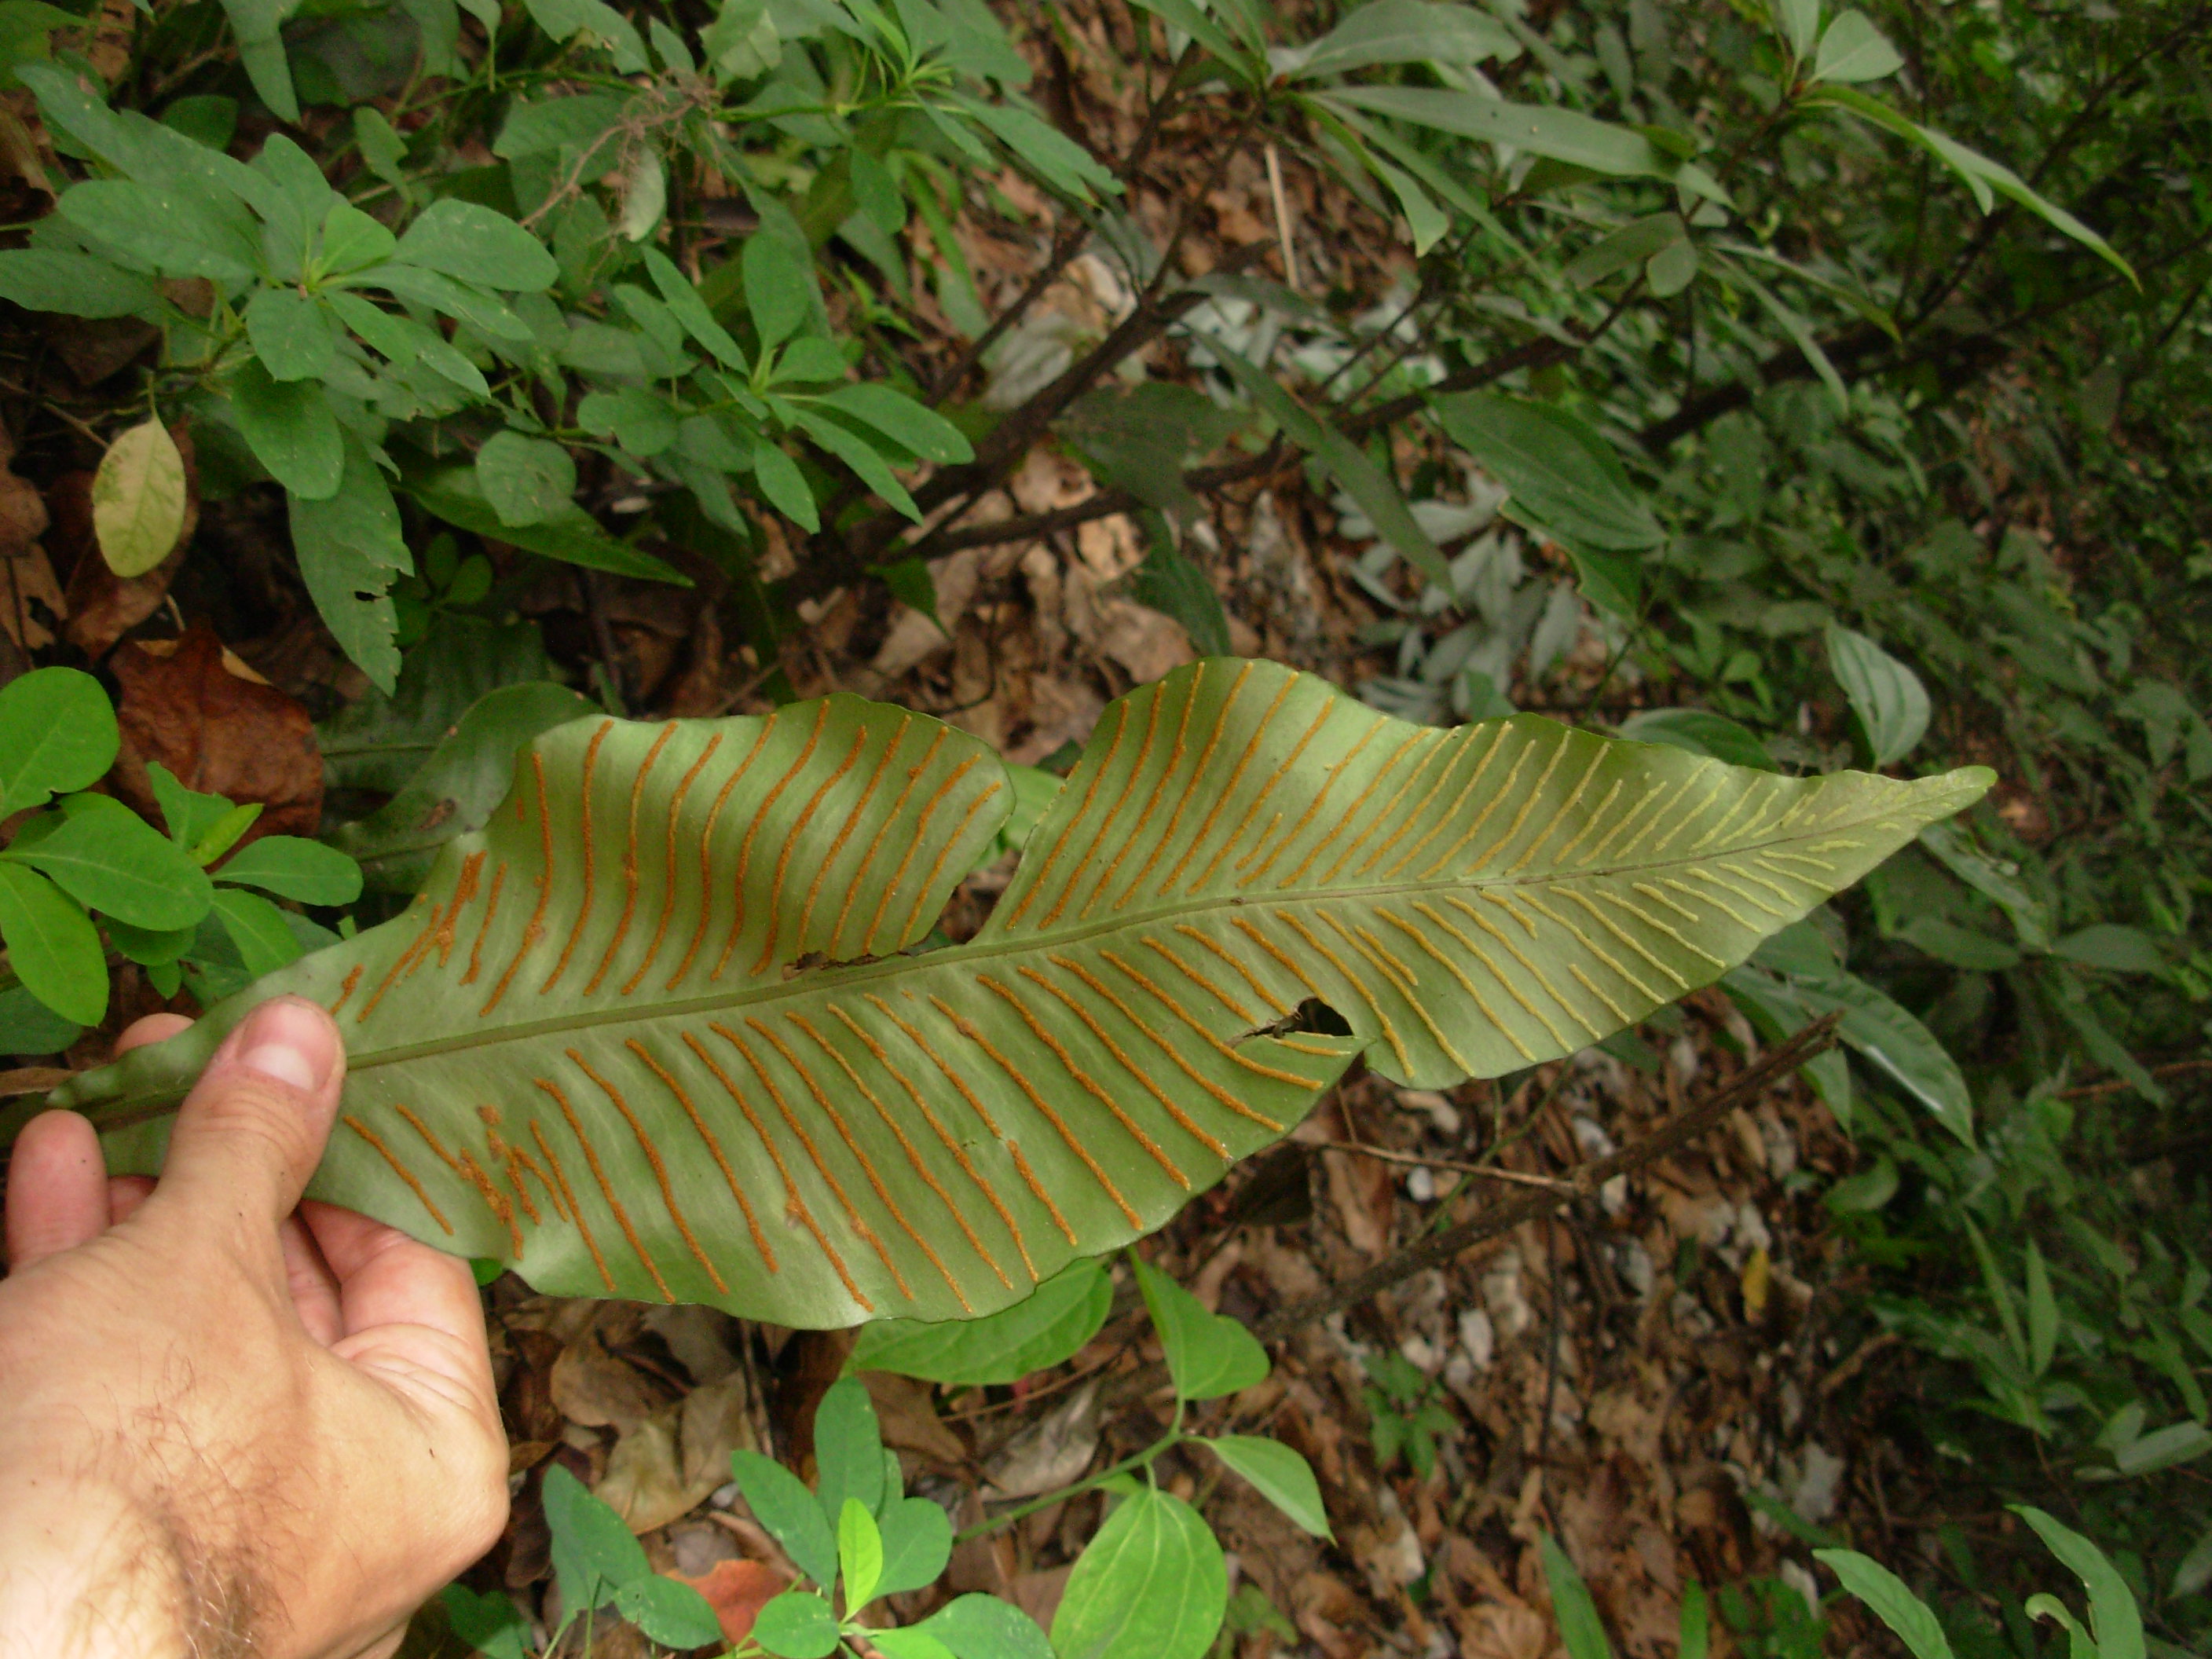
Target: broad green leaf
<point>1996,880</point>
<point>547,124</point>
<point>2042,1313</point>
<point>351,239</point>
<point>848,1451</point>
<point>117,863</point>
<point>52,946</point>
<point>673,1614</point>
<point>669,977</point>
<point>1853,49</point>
<point>594,1552</point>
<point>1631,244</point>
<point>1694,1624</point>
<point>76,284</point>
<point>1049,1325</point>
<point>796,1624</point>
<point>257,24</point>
<point>677,294</point>
<point>1170,583</point>
<point>1151,1585</point>
<point>1044,150</point>
<point>195,820</point>
<point>491,1625</point>
<point>485,312</point>
<point>526,480</point>
<point>1909,1618</point>
<point>291,332</point>
<point>1580,1628</point>
<point>903,421</point>
<point>474,244</point>
<point>785,485</point>
<point>1538,129</point>
<point>984,1627</point>
<point>857,452</point>
<point>2113,1615</point>
<point>291,429</point>
<point>859,1554</point>
<point>1888,697</point>
<point>1985,178</point>
<point>1699,731</point>
<point>1367,484</point>
<point>1400,32</point>
<point>2162,1449</point>
<point>260,931</point>
<point>1866,1192</point>
<point>1191,18</point>
<point>2113,946</point>
<point>57,733</point>
<point>1280,1475</point>
<point>138,499</point>
<point>457,787</point>
<point>171,230</point>
<point>404,341</point>
<point>1208,1354</point>
<point>2194,1570</point>
<point>350,550</point>
<point>1798,22</point>
<point>455,495</point>
<point>27,1026</point>
<point>917,1539</point>
<point>783,1505</point>
<point>1556,466</point>
<point>779,279</point>
<point>294,868</point>
<point>381,741</point>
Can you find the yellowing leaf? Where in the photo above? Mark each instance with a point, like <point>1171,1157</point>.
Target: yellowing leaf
<point>139,500</point>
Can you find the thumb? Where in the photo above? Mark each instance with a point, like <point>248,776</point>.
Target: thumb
<point>253,1129</point>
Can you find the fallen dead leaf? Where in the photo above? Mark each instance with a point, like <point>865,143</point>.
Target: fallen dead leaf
<point>32,1080</point>
<point>1051,1452</point>
<point>193,706</point>
<point>1366,1197</point>
<point>906,1411</point>
<point>599,1388</point>
<point>737,1591</point>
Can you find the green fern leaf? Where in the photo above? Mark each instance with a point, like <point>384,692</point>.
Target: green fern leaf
<point>655,1032</point>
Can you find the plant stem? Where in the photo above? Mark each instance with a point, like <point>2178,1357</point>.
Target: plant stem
<point>1174,1436</point>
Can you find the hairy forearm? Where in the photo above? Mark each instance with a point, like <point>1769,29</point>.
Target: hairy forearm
<point>88,1572</point>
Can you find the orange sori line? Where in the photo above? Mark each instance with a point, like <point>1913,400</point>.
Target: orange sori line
<point>659,1169</point>
<point>575,1210</point>
<point>352,980</point>
<point>512,1158</point>
<point>1504,792</point>
<point>713,1146</point>
<point>1298,975</point>
<point>441,931</point>
<point>464,891</point>
<point>1199,980</point>
<point>494,1200</point>
<point>1151,796</point>
<point>852,1217</point>
<point>376,1143</point>
<point>1535,793</point>
<point>1031,893</point>
<point>1350,816</point>
<point>875,843</point>
<point>1448,751</point>
<point>629,855</point>
<point>990,1124</point>
<point>1290,1041</point>
<point>1176,1008</point>
<point>707,853</point>
<point>1197,770</point>
<point>1313,807</point>
<point>845,831</point>
<point>914,845</point>
<point>600,1174</point>
<point>793,837</point>
<point>1236,837</point>
<point>415,947</point>
<point>793,1204</point>
<point>590,851</point>
<point>1450,814</point>
<point>967,1029</point>
<point>867,1165</point>
<point>959,1152</point>
<point>944,851</point>
<point>484,927</point>
<point>1443,745</point>
<point>1400,979</point>
<point>1275,1004</point>
<point>1114,811</point>
<point>752,829</point>
<point>668,894</point>
<point>534,929</point>
<point>518,1156</point>
<point>1089,1085</point>
<point>1182,1118</point>
<point>429,1139</point>
<point>1166,1048</point>
<point>1389,1027</point>
<point>1236,778</point>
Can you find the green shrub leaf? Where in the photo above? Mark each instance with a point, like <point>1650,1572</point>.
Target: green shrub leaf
<point>52,946</point>
<point>115,862</point>
<point>1280,1475</point>
<point>1151,1585</point>
<point>1207,1354</point>
<point>472,242</point>
<point>1056,1319</point>
<point>57,733</point>
<point>796,1624</point>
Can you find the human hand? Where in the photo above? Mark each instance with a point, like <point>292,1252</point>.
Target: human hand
<point>231,1423</point>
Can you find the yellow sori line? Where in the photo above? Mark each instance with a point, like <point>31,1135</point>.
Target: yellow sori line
<point>1474,994</point>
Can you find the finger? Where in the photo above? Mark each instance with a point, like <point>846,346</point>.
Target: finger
<point>124,1194</point>
<point>249,1135</point>
<point>154,1028</point>
<point>57,1189</point>
<point>386,1277</point>
<point>315,1287</point>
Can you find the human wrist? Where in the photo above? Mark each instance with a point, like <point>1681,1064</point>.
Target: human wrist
<point>86,1571</point>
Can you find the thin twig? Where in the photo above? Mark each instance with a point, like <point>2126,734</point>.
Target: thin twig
<point>1440,1248</point>
<point>1384,1155</point>
<point>1282,217</point>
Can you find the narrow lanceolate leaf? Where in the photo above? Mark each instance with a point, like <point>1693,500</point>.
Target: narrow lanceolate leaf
<point>652,1033</point>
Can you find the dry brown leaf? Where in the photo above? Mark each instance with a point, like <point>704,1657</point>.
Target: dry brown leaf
<point>597,1388</point>
<point>664,1466</point>
<point>1366,1197</point>
<point>906,1411</point>
<point>193,706</point>
<point>32,1080</point>
<point>1054,1451</point>
<point>737,1591</point>
<point>30,598</point>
